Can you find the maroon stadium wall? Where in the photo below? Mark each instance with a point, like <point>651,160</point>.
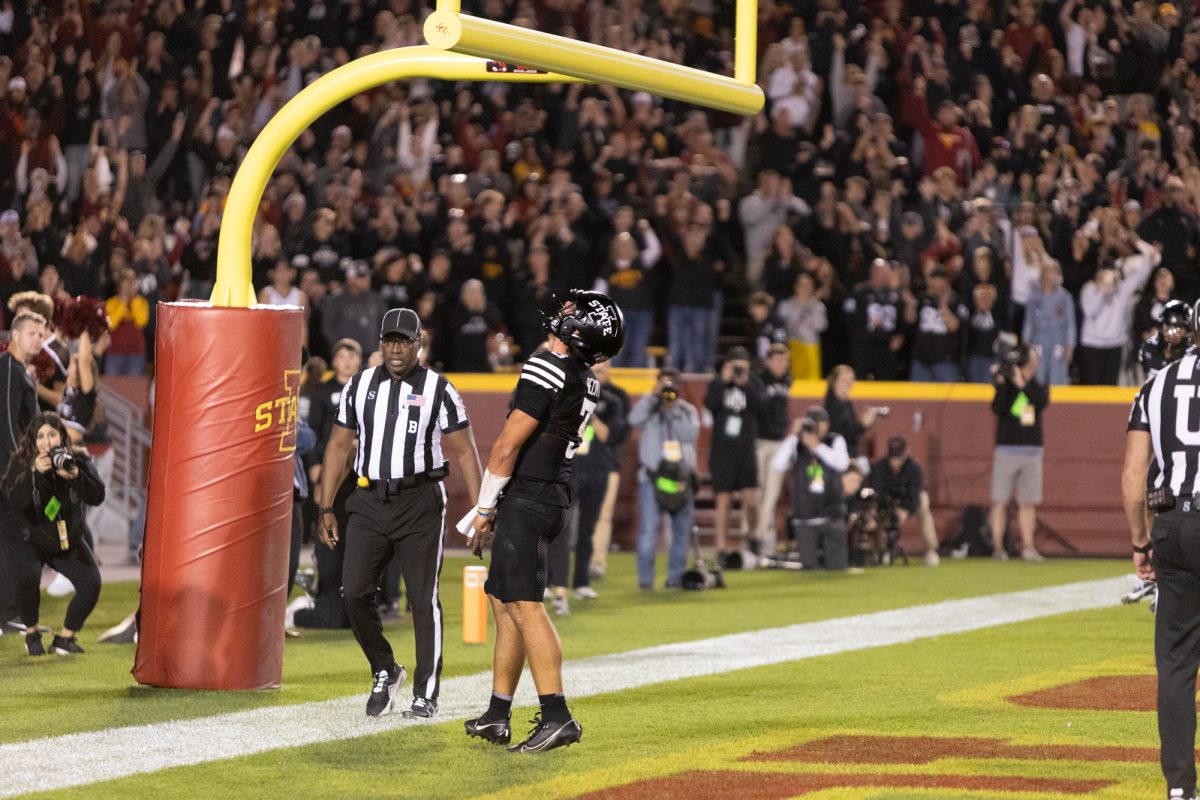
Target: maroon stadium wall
<point>950,429</point>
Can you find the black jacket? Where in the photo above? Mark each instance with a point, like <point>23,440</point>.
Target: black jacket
<point>903,487</point>
<point>1019,421</point>
<point>843,420</point>
<point>29,494</point>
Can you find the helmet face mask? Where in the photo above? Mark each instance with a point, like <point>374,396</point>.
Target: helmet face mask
<point>589,323</point>
<point>1176,323</point>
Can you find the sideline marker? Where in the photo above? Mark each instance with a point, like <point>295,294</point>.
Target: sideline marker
<point>475,613</point>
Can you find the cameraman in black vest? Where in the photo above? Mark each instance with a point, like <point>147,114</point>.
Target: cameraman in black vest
<point>817,458</point>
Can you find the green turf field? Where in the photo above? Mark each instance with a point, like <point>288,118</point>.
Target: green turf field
<point>932,718</point>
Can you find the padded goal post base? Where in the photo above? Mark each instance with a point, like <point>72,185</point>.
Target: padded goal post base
<point>218,515</point>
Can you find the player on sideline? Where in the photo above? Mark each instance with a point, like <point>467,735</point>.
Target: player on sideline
<point>531,464</point>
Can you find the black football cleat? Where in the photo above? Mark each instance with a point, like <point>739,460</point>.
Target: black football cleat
<point>33,644</point>
<point>386,684</point>
<point>496,731</point>
<point>549,735</point>
<point>421,709</point>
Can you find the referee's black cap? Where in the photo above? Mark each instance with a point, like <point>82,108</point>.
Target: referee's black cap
<point>403,321</point>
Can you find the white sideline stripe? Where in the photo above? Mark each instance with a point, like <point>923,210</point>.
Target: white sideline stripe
<point>119,752</point>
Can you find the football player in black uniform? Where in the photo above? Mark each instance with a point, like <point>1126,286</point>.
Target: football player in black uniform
<point>1170,342</point>
<point>531,463</point>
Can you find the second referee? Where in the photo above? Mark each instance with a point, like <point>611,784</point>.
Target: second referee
<point>400,413</point>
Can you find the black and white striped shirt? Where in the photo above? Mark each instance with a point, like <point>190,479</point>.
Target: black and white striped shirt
<point>1168,407</point>
<point>399,422</point>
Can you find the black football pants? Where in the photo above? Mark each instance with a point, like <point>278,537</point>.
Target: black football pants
<point>1176,538</point>
<point>408,524</point>
<point>588,502</point>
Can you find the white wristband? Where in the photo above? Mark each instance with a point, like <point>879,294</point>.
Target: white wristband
<point>490,488</point>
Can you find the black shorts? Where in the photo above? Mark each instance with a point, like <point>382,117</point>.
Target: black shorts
<point>524,530</point>
<point>734,468</point>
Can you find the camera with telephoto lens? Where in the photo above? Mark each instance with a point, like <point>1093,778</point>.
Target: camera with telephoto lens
<point>881,411</point>
<point>670,392</point>
<point>62,458</point>
<point>1010,355</point>
<point>808,425</point>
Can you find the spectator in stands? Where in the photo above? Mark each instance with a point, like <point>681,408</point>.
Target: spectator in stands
<point>767,328</point>
<point>472,327</point>
<point>693,281</point>
<point>782,264</point>
<point>282,290</point>
<point>355,311</point>
<point>128,316</point>
<point>762,214</point>
<point>870,160</point>
<point>1173,228</point>
<point>627,280</point>
<point>1105,302</point>
<point>982,328</point>
<point>805,318</point>
<point>1147,314</point>
<point>874,312</point>
<point>666,449</point>
<point>79,400</point>
<point>1050,326</point>
<point>938,317</point>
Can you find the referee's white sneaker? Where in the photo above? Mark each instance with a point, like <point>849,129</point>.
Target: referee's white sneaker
<point>384,689</point>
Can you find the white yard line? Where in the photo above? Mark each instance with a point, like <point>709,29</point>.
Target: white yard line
<point>119,752</point>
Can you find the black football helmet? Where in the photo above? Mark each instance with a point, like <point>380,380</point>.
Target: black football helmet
<point>1176,315</point>
<point>1176,312</point>
<point>594,330</point>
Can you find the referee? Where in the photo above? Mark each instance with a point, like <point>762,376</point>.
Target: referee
<point>1164,426</point>
<point>400,413</point>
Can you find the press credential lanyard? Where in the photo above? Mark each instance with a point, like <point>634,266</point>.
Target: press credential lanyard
<point>51,511</point>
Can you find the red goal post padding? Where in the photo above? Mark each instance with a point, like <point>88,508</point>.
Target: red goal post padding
<point>218,516</point>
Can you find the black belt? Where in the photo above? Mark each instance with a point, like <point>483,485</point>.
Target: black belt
<point>395,485</point>
<point>1189,505</point>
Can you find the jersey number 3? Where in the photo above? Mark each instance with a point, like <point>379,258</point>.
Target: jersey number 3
<point>589,405</point>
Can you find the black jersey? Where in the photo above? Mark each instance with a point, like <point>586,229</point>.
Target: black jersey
<point>561,394</point>
<point>1152,354</point>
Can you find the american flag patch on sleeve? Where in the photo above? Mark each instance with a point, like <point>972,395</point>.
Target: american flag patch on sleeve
<point>415,400</point>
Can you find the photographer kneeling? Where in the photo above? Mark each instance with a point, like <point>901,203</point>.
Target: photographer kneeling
<point>818,506</point>
<point>667,462</point>
<point>898,480</point>
<point>47,487</point>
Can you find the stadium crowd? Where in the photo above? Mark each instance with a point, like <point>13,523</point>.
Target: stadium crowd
<point>924,175</point>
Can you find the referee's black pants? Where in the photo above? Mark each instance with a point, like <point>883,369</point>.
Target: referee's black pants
<point>408,524</point>
<point>1176,538</point>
